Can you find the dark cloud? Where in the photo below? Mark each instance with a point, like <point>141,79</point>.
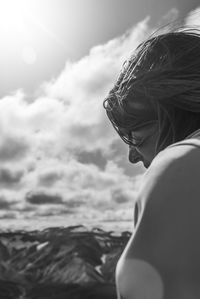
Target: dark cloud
<point>4,204</point>
<point>49,179</point>
<point>8,215</point>
<point>8,177</point>
<point>119,196</point>
<point>40,198</point>
<point>94,157</point>
<point>13,149</point>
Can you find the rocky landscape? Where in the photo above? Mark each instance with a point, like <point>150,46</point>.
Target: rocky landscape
<point>59,263</point>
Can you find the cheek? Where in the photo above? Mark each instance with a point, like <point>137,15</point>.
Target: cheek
<point>148,149</point>
<point>147,152</point>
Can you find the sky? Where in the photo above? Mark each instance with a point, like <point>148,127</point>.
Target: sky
<point>61,162</point>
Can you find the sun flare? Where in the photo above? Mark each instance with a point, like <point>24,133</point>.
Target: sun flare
<point>12,19</point>
<point>20,30</point>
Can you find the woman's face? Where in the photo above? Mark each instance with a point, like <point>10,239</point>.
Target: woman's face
<point>145,139</point>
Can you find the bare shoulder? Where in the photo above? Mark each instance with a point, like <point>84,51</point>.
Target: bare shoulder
<point>166,242</point>
<point>174,172</point>
<point>171,197</point>
<point>182,152</point>
<point>169,220</point>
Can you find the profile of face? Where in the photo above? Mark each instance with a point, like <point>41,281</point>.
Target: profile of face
<point>144,140</point>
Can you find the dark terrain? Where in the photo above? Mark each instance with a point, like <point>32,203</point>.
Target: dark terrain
<point>60,263</point>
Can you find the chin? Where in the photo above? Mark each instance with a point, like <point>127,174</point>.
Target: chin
<point>146,164</point>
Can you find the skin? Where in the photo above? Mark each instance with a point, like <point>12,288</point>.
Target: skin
<point>144,152</point>
<point>161,259</point>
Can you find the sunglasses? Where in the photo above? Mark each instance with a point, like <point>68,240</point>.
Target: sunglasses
<point>126,134</point>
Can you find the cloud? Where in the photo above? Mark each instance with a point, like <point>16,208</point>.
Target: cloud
<point>82,86</point>
<point>80,185</point>
<point>59,148</point>
<point>49,177</point>
<point>93,74</point>
<point>193,18</point>
<point>93,157</point>
<point>170,17</point>
<point>67,118</point>
<point>49,212</point>
<point>40,198</point>
<point>122,196</point>
<point>8,178</point>
<point>4,204</point>
<point>13,148</point>
<point>64,141</point>
<point>8,215</point>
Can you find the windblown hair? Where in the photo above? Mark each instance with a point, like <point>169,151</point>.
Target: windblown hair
<point>160,81</point>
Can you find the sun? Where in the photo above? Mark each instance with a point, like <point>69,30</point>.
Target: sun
<point>12,18</point>
<point>23,24</point>
<point>14,32</point>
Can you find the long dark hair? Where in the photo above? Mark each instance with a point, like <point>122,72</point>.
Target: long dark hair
<point>160,81</point>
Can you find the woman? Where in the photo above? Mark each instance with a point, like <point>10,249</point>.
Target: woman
<point>155,108</point>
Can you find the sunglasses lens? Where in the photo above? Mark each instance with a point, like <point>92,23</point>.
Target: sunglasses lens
<point>126,136</point>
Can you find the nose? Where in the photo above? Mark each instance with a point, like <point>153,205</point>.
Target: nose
<point>134,156</point>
